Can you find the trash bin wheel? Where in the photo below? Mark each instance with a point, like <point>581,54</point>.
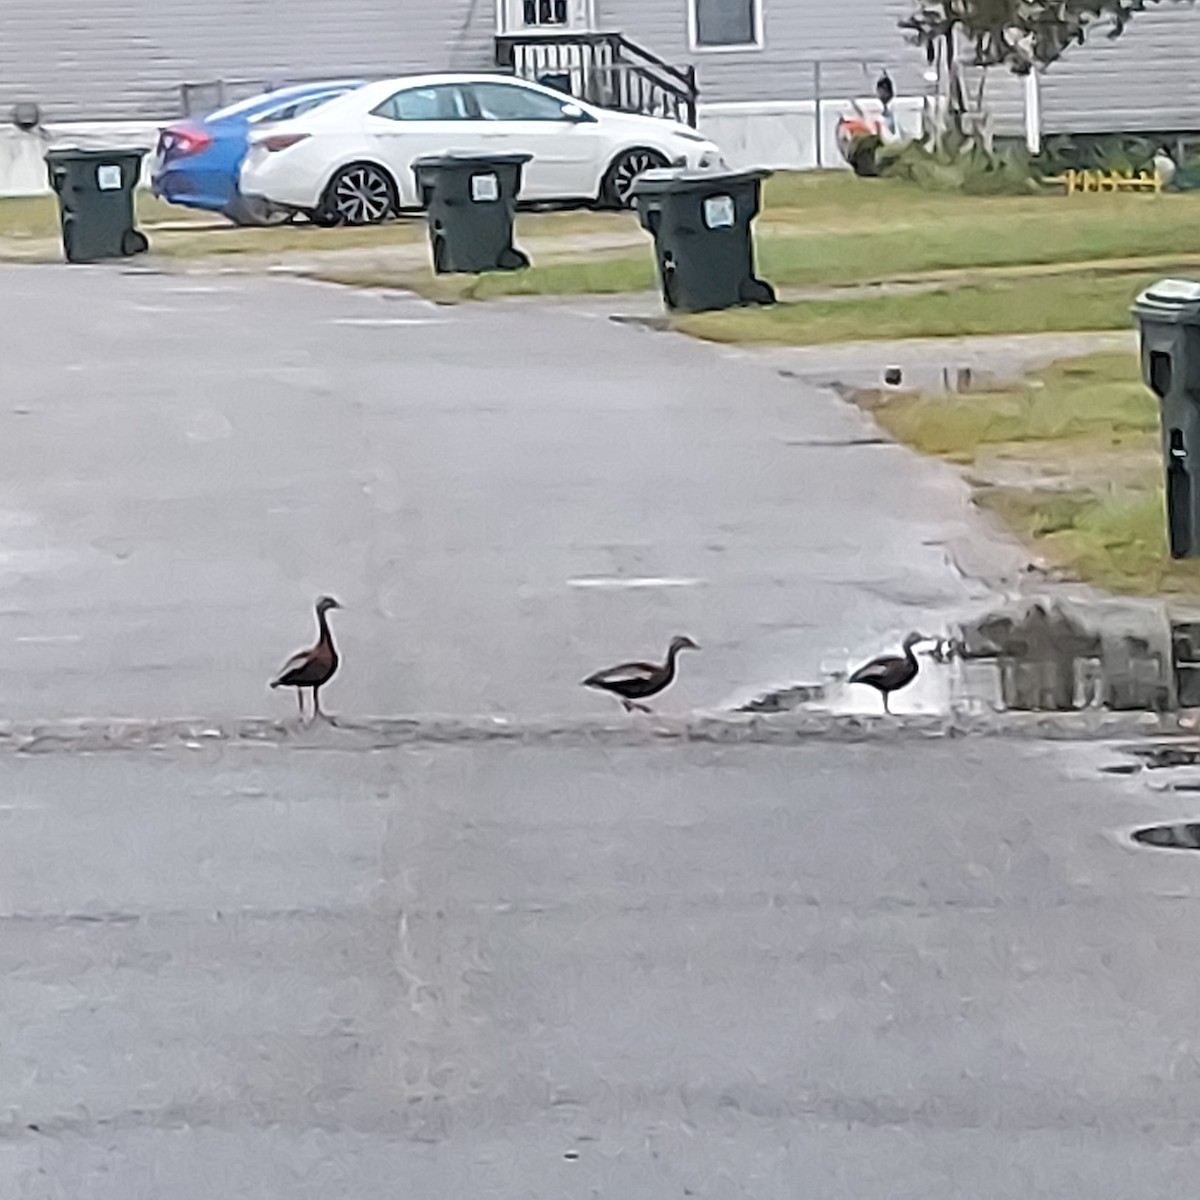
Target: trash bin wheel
<point>133,241</point>
<point>670,292</point>
<point>513,259</point>
<point>617,189</point>
<point>440,263</point>
<point>756,291</point>
<point>360,194</point>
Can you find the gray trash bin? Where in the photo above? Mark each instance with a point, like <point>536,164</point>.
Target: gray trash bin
<point>1168,316</point>
<point>95,201</point>
<point>702,237</point>
<point>470,201</point>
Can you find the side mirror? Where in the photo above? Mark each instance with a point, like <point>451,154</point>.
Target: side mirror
<point>572,112</point>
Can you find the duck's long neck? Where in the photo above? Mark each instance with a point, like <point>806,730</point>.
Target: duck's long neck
<point>672,655</point>
<point>325,638</point>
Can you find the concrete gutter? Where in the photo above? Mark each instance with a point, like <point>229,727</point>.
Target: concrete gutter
<point>378,733</point>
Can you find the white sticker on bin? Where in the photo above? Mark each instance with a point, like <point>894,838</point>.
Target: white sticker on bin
<point>718,212</point>
<point>108,178</point>
<point>485,187</point>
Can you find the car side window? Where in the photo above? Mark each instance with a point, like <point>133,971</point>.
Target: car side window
<point>441,102</point>
<point>503,102</point>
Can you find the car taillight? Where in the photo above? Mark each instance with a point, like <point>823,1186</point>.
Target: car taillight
<point>179,143</point>
<point>281,141</point>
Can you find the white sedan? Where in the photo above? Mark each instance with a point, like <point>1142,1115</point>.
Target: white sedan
<point>349,162</point>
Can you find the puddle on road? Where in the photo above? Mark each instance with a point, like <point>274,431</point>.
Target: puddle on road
<point>1037,657</point>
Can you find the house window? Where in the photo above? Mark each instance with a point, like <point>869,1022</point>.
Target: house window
<point>726,24</point>
<point>545,12</point>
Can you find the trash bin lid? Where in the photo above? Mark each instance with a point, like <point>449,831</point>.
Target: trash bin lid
<point>686,179</point>
<point>1176,300</point>
<point>471,159</point>
<point>83,153</point>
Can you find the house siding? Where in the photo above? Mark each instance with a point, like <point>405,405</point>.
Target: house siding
<point>853,39</point>
<point>121,59</point>
<point>1147,79</point>
<point>125,59</point>
<point>1003,98</point>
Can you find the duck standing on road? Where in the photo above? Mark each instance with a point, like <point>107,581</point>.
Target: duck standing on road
<point>890,672</point>
<point>312,668</point>
<point>636,681</point>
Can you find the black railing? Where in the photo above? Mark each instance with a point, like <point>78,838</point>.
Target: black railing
<point>606,69</point>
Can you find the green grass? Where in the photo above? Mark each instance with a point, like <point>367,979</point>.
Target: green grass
<point>222,240</point>
<point>1041,231</point>
<point>1114,541</point>
<point>1084,300</point>
<point>1086,423</point>
<point>600,276</point>
<point>817,229</point>
<point>830,228</point>
<point>1098,398</point>
<point>37,216</point>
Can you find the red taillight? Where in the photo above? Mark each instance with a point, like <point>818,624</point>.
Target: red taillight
<point>179,143</point>
<point>281,141</point>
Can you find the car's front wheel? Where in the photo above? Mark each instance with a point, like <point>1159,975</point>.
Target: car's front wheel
<point>360,194</point>
<point>617,189</point>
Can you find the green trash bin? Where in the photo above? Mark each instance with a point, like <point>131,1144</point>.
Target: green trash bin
<point>702,237</point>
<point>95,201</point>
<point>1168,316</point>
<point>470,201</point>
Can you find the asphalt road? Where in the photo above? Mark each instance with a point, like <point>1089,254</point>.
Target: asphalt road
<point>505,500</point>
<point>904,970</point>
<point>923,971</point>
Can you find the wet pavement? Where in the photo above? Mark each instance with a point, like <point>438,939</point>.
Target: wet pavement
<point>531,947</point>
<point>504,501</point>
<point>594,971</point>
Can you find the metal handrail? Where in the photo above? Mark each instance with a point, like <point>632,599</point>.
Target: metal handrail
<point>625,61</point>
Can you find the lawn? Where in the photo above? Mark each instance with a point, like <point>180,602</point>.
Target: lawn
<point>1070,459</point>
<point>1055,303</point>
<point>37,216</point>
<point>976,265</point>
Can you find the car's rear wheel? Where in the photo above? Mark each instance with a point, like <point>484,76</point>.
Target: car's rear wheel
<point>360,194</point>
<point>617,189</point>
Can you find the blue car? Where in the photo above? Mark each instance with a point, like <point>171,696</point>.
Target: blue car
<point>197,162</point>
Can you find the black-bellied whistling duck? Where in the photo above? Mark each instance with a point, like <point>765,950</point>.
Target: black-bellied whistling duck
<point>312,668</point>
<point>889,673</point>
<point>631,682</point>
